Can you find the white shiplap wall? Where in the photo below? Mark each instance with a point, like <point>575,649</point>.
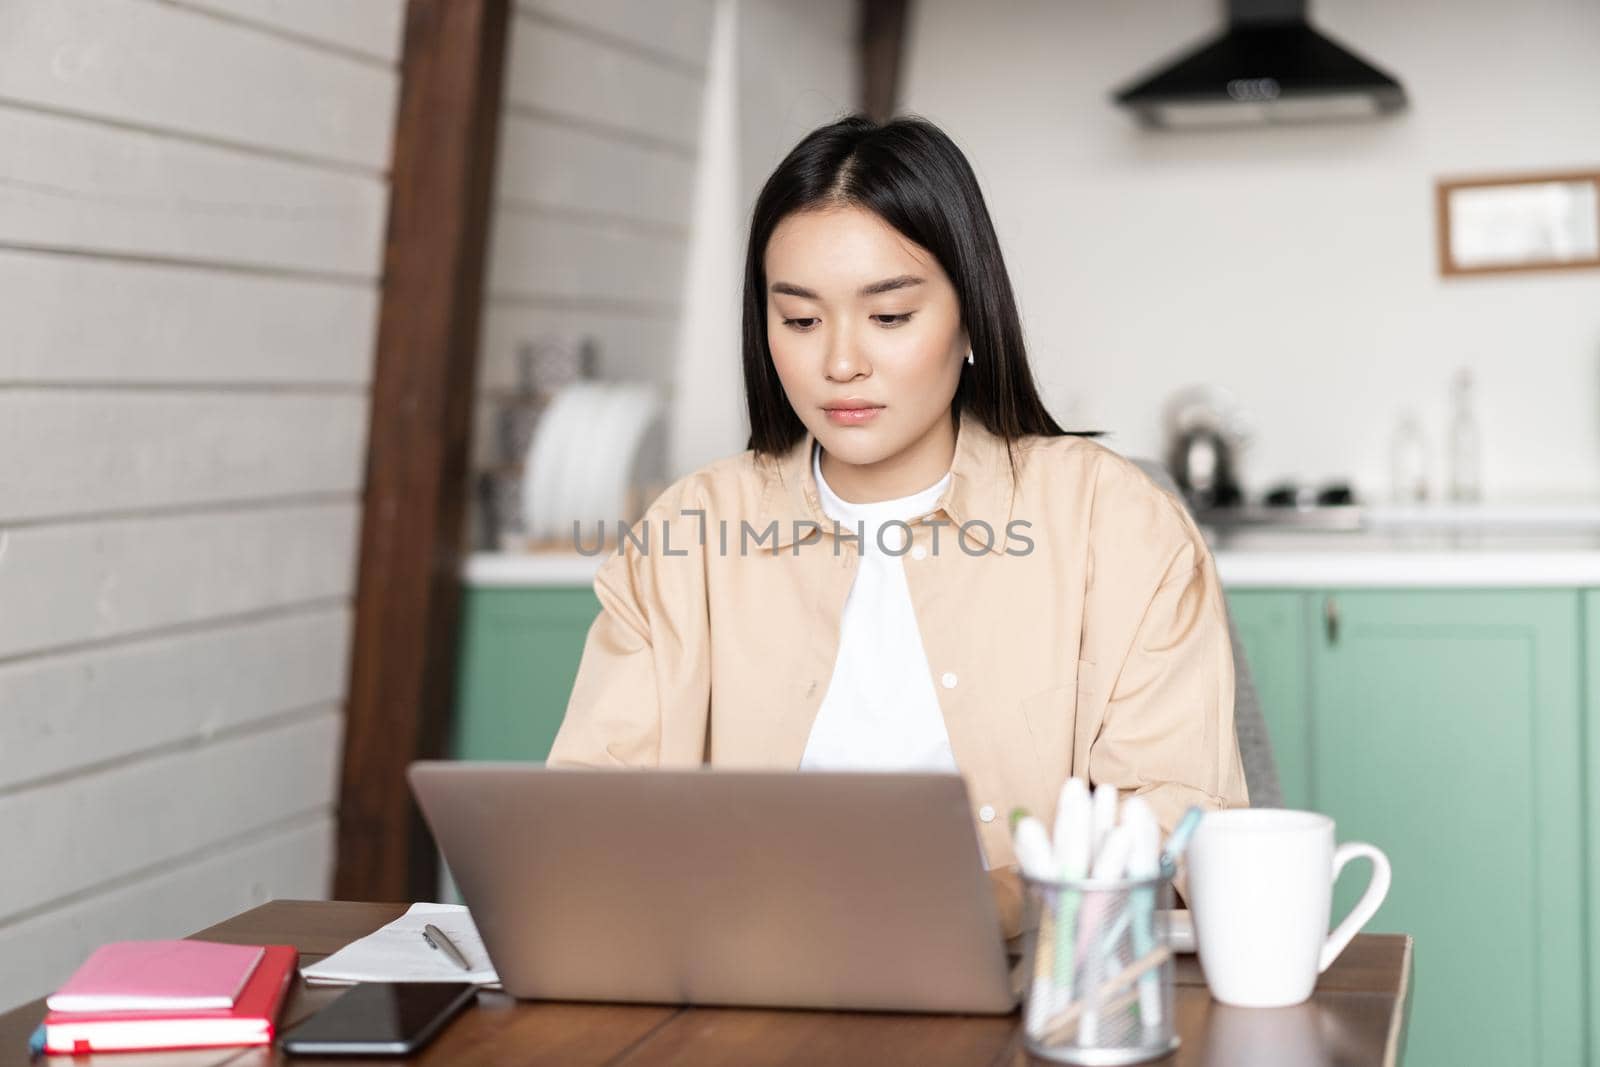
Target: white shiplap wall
<point>192,203</point>
<point>595,169</point>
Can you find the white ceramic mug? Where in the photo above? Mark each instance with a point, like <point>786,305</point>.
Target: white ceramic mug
<point>1261,887</point>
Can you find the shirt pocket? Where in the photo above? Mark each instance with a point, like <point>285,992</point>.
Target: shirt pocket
<point>1052,715</point>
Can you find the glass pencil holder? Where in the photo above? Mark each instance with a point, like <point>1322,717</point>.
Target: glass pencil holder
<point>1099,966</point>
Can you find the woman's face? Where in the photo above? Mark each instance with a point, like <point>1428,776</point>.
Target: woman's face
<point>856,312</point>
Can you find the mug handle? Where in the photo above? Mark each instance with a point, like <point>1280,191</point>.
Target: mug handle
<point>1366,907</point>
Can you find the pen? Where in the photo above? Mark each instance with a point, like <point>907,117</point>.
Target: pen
<point>1179,841</point>
<point>1073,854</point>
<point>436,940</point>
<point>1102,813</point>
<point>1034,854</point>
<point>1032,846</point>
<point>1143,862</point>
<point>1109,864</point>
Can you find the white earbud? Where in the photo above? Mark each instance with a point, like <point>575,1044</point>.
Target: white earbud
<point>969,356</point>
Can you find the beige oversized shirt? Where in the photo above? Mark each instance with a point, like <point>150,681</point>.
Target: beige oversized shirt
<point>1072,620</point>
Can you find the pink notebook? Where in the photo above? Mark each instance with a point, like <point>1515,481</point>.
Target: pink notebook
<point>158,976</point>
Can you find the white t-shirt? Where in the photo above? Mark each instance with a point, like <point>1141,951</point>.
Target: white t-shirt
<point>880,712</point>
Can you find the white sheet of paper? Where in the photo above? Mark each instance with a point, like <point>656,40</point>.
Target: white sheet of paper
<point>397,952</point>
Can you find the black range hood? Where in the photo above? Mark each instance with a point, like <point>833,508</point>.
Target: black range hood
<point>1269,65</point>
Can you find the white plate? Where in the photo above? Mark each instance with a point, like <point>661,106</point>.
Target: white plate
<point>572,479</point>
<point>582,456</point>
<point>634,410</point>
<point>536,468</point>
<point>594,438</point>
<point>541,474</point>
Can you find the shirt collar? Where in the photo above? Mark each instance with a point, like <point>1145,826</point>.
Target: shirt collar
<point>980,488</point>
<point>874,514</point>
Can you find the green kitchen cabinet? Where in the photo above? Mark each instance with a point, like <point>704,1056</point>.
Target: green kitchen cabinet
<point>519,656</point>
<point>1272,629</point>
<point>1591,806</point>
<point>1447,727</point>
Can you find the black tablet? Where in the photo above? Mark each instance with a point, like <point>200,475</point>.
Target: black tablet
<point>389,1018</point>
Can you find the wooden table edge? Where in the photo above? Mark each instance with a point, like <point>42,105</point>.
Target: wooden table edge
<point>1400,1018</point>
<point>382,912</point>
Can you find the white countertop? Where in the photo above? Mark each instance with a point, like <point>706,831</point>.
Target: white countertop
<point>1537,513</point>
<point>488,570</point>
<point>1515,544</point>
<point>1395,560</point>
<point>1254,561</point>
<point>1527,542</point>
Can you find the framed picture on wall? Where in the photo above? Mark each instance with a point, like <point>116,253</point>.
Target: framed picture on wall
<point>1529,222</point>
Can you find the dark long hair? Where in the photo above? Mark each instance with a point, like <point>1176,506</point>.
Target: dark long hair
<point>910,174</point>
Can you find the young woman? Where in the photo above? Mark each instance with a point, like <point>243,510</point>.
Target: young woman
<point>912,566</point>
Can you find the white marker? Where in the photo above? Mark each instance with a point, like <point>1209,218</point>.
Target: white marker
<point>1073,846</point>
<point>1032,844</point>
<point>1073,852</point>
<point>1144,834</point>
<point>1104,813</point>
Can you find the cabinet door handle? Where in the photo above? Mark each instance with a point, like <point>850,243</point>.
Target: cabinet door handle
<point>1330,617</point>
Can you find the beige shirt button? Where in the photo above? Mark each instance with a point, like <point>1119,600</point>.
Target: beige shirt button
<point>986,813</point>
<point>948,680</point>
<point>918,552</point>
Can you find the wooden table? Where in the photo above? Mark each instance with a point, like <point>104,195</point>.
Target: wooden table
<point>1356,1016</point>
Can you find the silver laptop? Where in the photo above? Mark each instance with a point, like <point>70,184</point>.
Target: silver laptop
<point>782,889</point>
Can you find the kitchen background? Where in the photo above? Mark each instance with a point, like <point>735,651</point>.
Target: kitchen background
<point>193,197</point>
<point>1294,265</point>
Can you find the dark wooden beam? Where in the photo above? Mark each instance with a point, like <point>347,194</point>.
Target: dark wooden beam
<point>881,42</point>
<point>408,592</point>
